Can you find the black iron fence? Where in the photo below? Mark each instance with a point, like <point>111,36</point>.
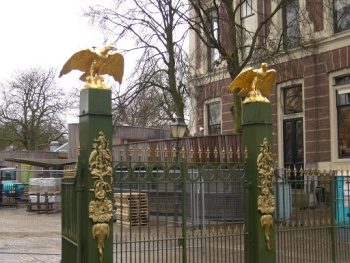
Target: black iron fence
<point>312,223</point>
<point>161,217</point>
<point>169,212</point>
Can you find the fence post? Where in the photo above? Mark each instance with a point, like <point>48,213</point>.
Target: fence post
<point>1,187</point>
<point>260,245</point>
<point>332,178</point>
<point>95,190</point>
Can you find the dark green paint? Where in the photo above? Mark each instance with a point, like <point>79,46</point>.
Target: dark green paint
<point>257,125</point>
<point>95,116</point>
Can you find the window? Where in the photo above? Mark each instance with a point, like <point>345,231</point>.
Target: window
<point>341,15</point>
<point>343,116</point>
<point>8,175</point>
<point>213,24</point>
<point>293,100</point>
<point>214,118</point>
<point>248,26</point>
<point>291,24</point>
<point>247,9</point>
<point>292,135</point>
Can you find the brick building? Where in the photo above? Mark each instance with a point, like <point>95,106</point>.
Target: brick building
<point>311,95</point>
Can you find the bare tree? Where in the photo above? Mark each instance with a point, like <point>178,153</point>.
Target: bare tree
<point>222,31</point>
<point>148,110</point>
<point>31,109</point>
<point>154,27</point>
<point>224,34</point>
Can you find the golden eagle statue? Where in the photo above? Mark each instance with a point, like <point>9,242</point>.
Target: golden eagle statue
<point>94,64</point>
<point>256,82</point>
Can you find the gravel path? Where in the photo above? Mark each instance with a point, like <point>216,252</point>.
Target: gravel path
<point>29,237</point>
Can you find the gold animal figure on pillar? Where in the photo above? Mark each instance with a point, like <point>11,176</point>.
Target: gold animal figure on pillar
<point>94,64</point>
<point>255,82</point>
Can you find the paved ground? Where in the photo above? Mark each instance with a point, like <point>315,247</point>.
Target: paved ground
<point>22,241</point>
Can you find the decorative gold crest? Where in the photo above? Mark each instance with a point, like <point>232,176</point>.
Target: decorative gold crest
<point>266,200</point>
<point>101,209</point>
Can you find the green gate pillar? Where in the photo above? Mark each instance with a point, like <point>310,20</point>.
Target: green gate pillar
<point>260,245</point>
<point>95,202</point>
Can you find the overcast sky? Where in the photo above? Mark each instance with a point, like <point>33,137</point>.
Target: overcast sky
<point>44,33</point>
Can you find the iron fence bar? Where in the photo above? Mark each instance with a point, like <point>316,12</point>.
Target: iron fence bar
<point>333,221</point>
<point>184,217</point>
<point>312,236</point>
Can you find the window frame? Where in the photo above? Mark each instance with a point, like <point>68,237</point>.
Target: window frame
<point>337,29</point>
<point>285,110</point>
<point>291,38</point>
<point>342,90</point>
<point>281,116</point>
<point>336,162</point>
<point>212,53</point>
<point>247,9</point>
<point>299,158</point>
<point>206,116</point>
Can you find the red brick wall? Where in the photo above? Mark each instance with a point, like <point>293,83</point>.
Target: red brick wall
<point>215,90</point>
<point>314,71</point>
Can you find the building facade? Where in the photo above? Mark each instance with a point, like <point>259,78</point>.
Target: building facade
<point>311,95</point>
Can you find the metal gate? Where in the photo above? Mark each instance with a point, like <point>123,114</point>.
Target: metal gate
<point>70,220</point>
<point>179,212</point>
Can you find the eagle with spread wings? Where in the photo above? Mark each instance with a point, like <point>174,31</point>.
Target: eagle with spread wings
<point>94,64</point>
<point>256,82</point>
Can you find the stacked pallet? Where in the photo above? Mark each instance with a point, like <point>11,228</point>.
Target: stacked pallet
<point>44,195</point>
<point>132,208</point>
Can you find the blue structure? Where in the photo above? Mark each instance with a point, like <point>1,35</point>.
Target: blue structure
<point>342,197</point>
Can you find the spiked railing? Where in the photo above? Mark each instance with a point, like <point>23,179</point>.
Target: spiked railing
<point>210,149</point>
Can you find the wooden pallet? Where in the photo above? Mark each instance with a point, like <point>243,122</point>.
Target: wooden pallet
<point>132,211</point>
<point>123,218</point>
<point>131,197</point>
<point>132,223</point>
<point>132,208</point>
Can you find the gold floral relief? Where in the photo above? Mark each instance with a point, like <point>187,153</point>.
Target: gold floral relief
<point>101,209</point>
<point>266,200</point>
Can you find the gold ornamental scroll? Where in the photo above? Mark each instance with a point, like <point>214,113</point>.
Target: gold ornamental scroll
<point>266,200</point>
<point>101,209</point>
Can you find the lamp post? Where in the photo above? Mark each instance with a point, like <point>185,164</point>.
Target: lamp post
<point>178,129</point>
